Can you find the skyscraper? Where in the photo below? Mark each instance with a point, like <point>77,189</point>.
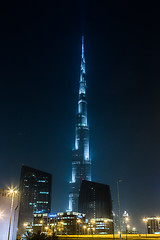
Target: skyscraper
<point>35,189</point>
<point>95,200</point>
<point>81,162</point>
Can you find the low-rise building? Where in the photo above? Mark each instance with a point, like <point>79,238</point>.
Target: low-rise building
<point>100,226</point>
<point>68,223</point>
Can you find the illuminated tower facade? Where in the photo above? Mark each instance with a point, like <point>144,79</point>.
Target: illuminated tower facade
<point>81,162</point>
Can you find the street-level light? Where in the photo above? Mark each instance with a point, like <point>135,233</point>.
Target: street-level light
<point>1,215</point>
<point>145,220</point>
<point>119,217</point>
<point>12,192</point>
<point>84,227</point>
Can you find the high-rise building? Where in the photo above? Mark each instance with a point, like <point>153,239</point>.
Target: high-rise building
<point>81,162</point>
<point>153,225</point>
<point>9,208</point>
<point>35,189</point>
<point>95,200</point>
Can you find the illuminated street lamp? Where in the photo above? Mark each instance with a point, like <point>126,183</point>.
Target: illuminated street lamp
<point>145,220</point>
<point>78,221</point>
<point>12,192</point>
<point>84,227</point>
<point>134,229</point>
<point>119,216</point>
<point>41,221</point>
<point>46,228</point>
<point>127,226</point>
<point>93,222</point>
<point>25,224</point>
<point>105,225</point>
<point>1,215</point>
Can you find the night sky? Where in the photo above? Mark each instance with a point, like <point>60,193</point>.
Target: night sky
<point>40,48</point>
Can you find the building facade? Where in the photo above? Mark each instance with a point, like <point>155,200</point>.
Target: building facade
<point>95,200</point>
<point>153,225</point>
<point>6,200</point>
<point>100,226</point>
<point>35,189</point>
<point>61,223</point>
<point>81,162</point>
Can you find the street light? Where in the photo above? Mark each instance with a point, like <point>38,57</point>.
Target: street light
<point>1,215</point>
<point>134,229</point>
<point>145,220</point>
<point>41,221</point>
<point>119,217</point>
<point>25,224</point>
<point>93,225</point>
<point>84,227</point>
<point>79,221</point>
<point>126,220</point>
<point>105,225</point>
<point>12,192</point>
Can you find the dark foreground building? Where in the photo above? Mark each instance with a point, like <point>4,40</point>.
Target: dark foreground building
<point>81,162</point>
<point>95,200</point>
<point>35,189</point>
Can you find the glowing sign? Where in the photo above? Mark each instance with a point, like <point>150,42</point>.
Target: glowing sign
<point>52,215</point>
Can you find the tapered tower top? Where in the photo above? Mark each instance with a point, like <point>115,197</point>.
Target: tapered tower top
<point>82,86</point>
<point>82,46</point>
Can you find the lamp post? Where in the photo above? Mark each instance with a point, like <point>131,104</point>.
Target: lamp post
<point>93,222</point>
<point>84,228</point>
<point>78,221</point>
<point>127,228</point>
<point>134,230</point>
<point>126,220</point>
<point>119,217</point>
<point>12,192</point>
<point>145,221</point>
<point>105,225</point>
<point>42,225</point>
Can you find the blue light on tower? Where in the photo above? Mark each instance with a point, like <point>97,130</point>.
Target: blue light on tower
<point>81,163</point>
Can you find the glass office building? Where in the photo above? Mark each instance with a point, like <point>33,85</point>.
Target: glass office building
<point>95,200</point>
<point>35,189</point>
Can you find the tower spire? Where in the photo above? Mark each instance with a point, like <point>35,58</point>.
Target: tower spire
<point>82,46</point>
<point>81,162</point>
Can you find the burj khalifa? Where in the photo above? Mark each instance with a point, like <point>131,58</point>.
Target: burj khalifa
<point>81,162</point>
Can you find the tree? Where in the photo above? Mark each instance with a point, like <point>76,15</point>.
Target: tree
<point>28,235</point>
<point>38,236</point>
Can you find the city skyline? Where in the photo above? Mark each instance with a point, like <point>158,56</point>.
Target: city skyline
<point>40,58</point>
